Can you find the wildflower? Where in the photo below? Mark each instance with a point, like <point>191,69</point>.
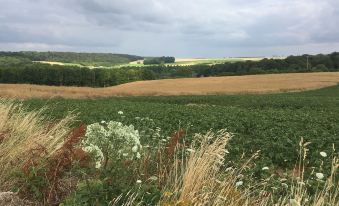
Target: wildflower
<point>319,175</point>
<point>135,148</point>
<point>293,202</point>
<point>301,183</point>
<point>121,112</point>
<point>168,194</point>
<point>284,185</point>
<point>283,179</point>
<point>98,164</point>
<point>139,181</point>
<point>153,178</point>
<point>323,154</point>
<point>239,183</point>
<point>138,156</point>
<point>190,150</point>
<point>115,140</point>
<point>96,152</point>
<point>265,168</point>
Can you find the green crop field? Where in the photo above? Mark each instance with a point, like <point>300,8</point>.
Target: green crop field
<point>123,144</point>
<point>272,123</point>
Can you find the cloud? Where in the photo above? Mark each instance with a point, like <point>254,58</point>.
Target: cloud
<point>171,27</point>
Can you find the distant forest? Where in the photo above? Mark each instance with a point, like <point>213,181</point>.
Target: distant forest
<point>86,59</point>
<point>159,60</point>
<point>21,69</point>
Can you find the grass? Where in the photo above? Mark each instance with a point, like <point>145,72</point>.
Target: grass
<point>268,83</point>
<point>201,180</point>
<point>22,134</point>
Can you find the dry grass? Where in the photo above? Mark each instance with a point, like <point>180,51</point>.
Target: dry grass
<point>325,196</point>
<point>200,180</point>
<point>24,133</point>
<point>269,83</point>
<point>12,199</point>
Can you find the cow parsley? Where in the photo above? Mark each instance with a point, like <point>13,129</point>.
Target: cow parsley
<point>113,140</point>
<point>319,175</point>
<point>323,154</point>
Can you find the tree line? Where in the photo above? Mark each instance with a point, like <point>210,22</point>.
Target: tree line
<point>86,59</point>
<point>56,75</point>
<point>22,70</point>
<point>159,60</point>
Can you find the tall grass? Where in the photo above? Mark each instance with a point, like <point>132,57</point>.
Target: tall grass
<point>202,180</point>
<point>25,134</point>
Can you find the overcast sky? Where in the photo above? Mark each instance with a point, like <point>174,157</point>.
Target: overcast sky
<point>181,28</point>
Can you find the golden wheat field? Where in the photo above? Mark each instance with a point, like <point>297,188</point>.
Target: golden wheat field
<point>268,83</point>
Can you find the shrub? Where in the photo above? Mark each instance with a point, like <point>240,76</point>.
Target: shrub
<point>111,141</point>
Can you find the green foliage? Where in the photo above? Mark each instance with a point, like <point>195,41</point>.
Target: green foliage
<point>15,69</point>
<point>103,192</point>
<point>32,181</point>
<point>117,175</point>
<point>272,123</point>
<point>159,60</point>
<point>93,59</point>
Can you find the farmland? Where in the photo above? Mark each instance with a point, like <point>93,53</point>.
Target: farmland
<point>162,141</point>
<point>169,103</point>
<point>184,86</point>
<point>158,135</point>
<point>273,124</point>
<point>197,61</point>
<point>178,62</point>
<point>267,122</point>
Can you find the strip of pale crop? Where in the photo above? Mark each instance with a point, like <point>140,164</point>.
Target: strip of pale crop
<point>268,83</point>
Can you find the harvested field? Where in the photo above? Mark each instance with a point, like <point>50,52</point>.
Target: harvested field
<point>269,83</point>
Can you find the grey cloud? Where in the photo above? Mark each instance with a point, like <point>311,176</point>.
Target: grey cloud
<point>175,27</point>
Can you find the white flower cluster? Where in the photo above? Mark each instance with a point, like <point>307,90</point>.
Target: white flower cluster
<point>96,152</point>
<point>112,139</point>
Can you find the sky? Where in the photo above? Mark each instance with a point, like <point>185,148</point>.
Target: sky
<point>181,28</point>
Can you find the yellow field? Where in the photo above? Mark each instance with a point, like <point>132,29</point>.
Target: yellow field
<point>269,83</point>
